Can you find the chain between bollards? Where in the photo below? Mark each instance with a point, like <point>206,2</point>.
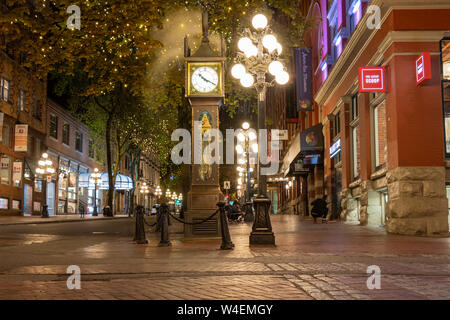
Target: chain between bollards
<point>226,238</point>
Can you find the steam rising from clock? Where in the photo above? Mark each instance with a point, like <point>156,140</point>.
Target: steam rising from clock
<point>176,26</point>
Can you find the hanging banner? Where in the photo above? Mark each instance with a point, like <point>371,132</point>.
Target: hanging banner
<point>372,79</point>
<point>423,68</point>
<point>4,170</point>
<point>21,138</point>
<point>2,116</point>
<point>311,139</point>
<point>303,68</point>
<point>17,172</point>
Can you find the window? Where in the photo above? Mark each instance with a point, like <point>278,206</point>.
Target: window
<point>37,109</point>
<point>6,139</point>
<point>5,170</point>
<point>79,141</point>
<point>16,204</point>
<point>4,203</point>
<point>379,130</point>
<point>53,126</point>
<point>38,185</point>
<point>355,107</point>
<point>22,100</point>
<point>91,149</point>
<point>355,142</point>
<point>337,124</point>
<point>65,133</point>
<point>5,87</point>
<point>445,68</point>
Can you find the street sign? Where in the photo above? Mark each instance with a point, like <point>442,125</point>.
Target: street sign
<point>226,185</point>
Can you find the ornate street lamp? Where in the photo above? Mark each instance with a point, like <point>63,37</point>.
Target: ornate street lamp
<point>144,190</point>
<point>248,138</point>
<point>95,176</point>
<point>158,193</point>
<point>259,55</point>
<point>45,169</point>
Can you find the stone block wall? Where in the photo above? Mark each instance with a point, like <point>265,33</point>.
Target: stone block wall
<point>417,201</point>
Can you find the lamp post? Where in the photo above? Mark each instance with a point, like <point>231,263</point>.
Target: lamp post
<point>96,176</point>
<point>249,139</point>
<point>144,190</point>
<point>45,169</point>
<point>259,55</point>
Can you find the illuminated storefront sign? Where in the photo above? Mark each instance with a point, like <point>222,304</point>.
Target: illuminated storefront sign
<point>423,68</point>
<point>335,148</point>
<point>372,79</point>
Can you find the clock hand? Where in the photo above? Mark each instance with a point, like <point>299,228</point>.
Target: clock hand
<point>206,80</point>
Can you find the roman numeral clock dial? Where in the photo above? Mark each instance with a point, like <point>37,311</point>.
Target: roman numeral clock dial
<point>205,79</point>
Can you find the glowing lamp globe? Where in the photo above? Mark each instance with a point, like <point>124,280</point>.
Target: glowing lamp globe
<point>275,67</point>
<point>244,44</point>
<point>259,21</point>
<point>255,147</point>
<point>247,80</point>
<point>251,51</point>
<point>241,137</point>
<point>279,48</point>
<point>269,42</point>
<point>252,135</point>
<point>238,71</point>
<point>245,125</point>
<point>282,78</point>
<point>239,149</point>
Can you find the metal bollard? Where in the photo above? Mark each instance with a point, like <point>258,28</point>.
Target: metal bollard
<point>139,234</point>
<point>44,211</point>
<point>226,238</point>
<point>165,242</point>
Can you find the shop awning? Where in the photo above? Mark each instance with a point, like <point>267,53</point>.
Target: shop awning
<point>307,142</point>
<point>122,182</point>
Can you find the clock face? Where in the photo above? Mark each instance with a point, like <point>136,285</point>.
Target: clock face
<point>205,79</point>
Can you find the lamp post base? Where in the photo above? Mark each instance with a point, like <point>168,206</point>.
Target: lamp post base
<point>45,211</point>
<point>262,228</point>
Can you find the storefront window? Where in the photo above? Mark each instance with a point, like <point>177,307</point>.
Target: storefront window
<point>4,203</point>
<point>63,181</point>
<point>380,139</point>
<point>445,54</point>
<point>16,204</point>
<point>72,190</point>
<point>38,185</point>
<point>5,170</point>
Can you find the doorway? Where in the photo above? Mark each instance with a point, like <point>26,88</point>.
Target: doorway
<point>27,200</point>
<point>51,198</point>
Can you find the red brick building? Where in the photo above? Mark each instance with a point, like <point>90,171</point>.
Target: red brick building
<point>385,153</point>
<point>22,130</point>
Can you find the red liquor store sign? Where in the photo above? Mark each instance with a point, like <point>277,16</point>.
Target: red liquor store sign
<point>423,68</point>
<point>372,79</point>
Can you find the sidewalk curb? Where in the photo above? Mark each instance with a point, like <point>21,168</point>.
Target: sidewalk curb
<point>62,221</point>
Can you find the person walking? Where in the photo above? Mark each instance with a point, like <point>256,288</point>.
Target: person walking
<point>82,211</point>
<point>319,209</point>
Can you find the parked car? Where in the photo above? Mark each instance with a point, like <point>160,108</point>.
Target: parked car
<point>154,208</point>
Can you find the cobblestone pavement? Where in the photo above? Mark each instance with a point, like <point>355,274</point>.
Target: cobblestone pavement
<point>323,262</point>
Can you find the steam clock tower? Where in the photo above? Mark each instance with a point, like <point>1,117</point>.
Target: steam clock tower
<point>205,91</point>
